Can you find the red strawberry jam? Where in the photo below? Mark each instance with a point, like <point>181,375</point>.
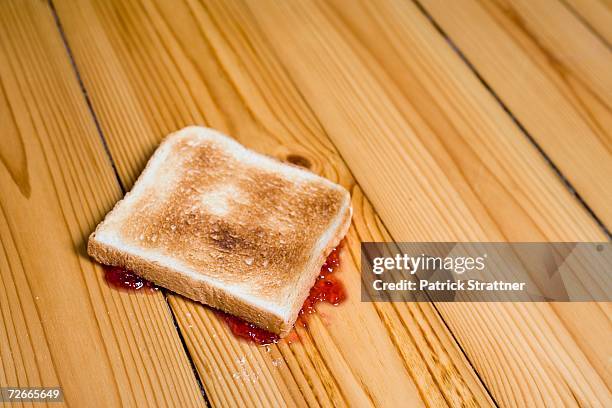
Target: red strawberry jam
<point>327,288</point>
<point>120,278</point>
<point>248,331</point>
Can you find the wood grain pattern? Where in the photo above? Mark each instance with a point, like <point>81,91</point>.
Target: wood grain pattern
<point>597,14</point>
<point>553,73</point>
<point>61,325</point>
<point>353,107</point>
<point>373,97</point>
<point>344,358</point>
<point>201,78</point>
<point>453,117</point>
<point>512,163</point>
<point>367,107</point>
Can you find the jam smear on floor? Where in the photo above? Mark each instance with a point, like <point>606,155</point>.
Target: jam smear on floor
<point>248,331</point>
<point>120,278</point>
<point>327,288</point>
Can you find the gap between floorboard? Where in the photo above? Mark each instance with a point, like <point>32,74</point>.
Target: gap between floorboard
<point>517,122</point>
<point>122,186</point>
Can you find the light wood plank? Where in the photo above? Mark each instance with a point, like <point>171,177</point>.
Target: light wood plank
<point>189,68</point>
<point>552,73</point>
<point>596,13</point>
<point>61,324</point>
<point>507,191</point>
<point>353,97</point>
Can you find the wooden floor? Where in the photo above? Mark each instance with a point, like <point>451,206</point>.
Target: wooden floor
<point>471,120</point>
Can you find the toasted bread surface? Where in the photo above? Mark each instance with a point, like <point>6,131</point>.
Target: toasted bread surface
<point>226,226</point>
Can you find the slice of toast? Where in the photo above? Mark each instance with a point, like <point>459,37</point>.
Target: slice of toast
<point>223,225</point>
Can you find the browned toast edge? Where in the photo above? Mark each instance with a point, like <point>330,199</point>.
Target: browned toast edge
<point>203,291</point>
<point>208,294</point>
<point>308,283</point>
<point>182,284</point>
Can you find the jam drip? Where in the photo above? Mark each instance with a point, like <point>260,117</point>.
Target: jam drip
<point>248,331</point>
<point>120,278</point>
<point>327,288</point>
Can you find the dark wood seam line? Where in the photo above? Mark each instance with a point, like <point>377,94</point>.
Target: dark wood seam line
<point>563,72</point>
<point>429,300</point>
<point>522,128</point>
<point>85,95</point>
<point>445,145</point>
<point>343,160</point>
<point>12,236</point>
<point>119,182</point>
<point>455,339</point>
